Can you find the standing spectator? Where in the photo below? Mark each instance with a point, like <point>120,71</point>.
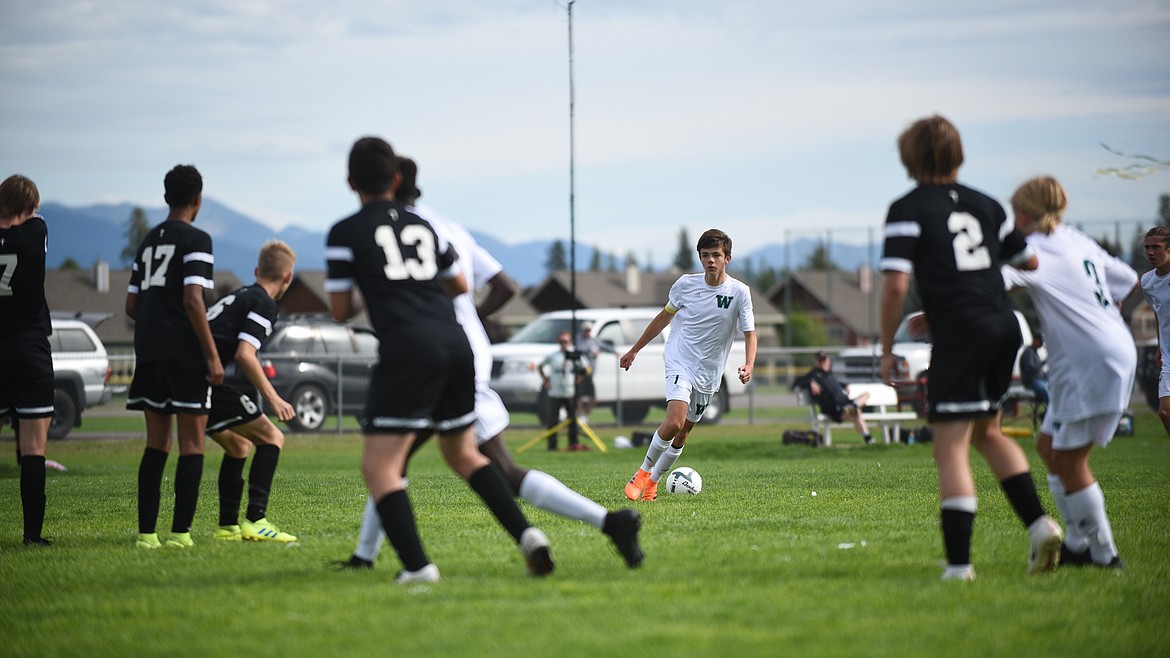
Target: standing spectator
<point>589,346</point>
<point>424,380</point>
<point>1156,289</point>
<point>1091,357</point>
<point>176,361</point>
<point>952,239</point>
<point>561,373</point>
<point>832,396</point>
<point>1032,374</point>
<point>706,310</point>
<point>26,387</point>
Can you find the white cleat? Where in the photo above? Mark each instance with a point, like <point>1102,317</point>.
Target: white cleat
<point>428,574</point>
<point>1046,539</point>
<point>959,572</point>
<point>537,553</point>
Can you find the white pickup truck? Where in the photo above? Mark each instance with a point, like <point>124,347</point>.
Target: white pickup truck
<point>516,380</point>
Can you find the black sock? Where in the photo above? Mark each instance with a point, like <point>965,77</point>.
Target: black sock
<point>491,486</point>
<point>1021,493</point>
<point>260,480</point>
<point>231,489</point>
<point>150,474</point>
<point>188,473</point>
<point>32,494</point>
<point>398,522</point>
<point>957,528</point>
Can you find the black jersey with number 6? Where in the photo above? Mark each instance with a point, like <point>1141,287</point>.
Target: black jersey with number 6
<point>245,315</point>
<point>23,309</point>
<point>173,255</point>
<point>953,239</point>
<point>394,257</point>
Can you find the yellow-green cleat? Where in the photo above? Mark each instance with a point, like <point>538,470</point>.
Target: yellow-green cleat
<point>228,533</point>
<point>148,540</point>
<point>263,530</point>
<point>180,540</point>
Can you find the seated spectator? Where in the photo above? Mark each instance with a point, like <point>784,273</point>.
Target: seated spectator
<point>1032,374</point>
<point>832,396</point>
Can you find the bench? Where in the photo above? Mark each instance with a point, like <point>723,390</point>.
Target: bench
<point>880,409</point>
<point>1017,395</point>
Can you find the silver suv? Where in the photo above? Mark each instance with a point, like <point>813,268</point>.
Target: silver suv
<point>81,373</point>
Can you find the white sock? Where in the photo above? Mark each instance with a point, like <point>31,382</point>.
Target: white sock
<point>960,503</point>
<point>1087,511</point>
<point>552,495</point>
<point>665,462</point>
<point>1073,538</point>
<point>654,451</point>
<point>371,535</point>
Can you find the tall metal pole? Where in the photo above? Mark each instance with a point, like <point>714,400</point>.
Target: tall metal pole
<point>572,241</point>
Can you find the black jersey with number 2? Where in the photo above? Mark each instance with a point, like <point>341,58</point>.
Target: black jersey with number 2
<point>23,309</point>
<point>395,258</point>
<point>173,255</point>
<point>245,315</point>
<point>953,239</point>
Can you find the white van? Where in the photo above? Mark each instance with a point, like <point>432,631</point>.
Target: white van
<point>81,374</point>
<point>516,380</point>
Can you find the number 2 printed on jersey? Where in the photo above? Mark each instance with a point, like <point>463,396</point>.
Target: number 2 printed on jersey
<point>970,252</point>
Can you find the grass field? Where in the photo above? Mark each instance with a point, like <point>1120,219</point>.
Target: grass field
<point>754,566</point>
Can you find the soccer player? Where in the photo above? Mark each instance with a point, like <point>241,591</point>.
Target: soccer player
<point>240,323</point>
<point>26,387</point>
<point>952,239</point>
<point>176,361</point>
<point>1156,289</point>
<point>1091,361</point>
<point>706,310</point>
<point>425,376</point>
<point>537,487</point>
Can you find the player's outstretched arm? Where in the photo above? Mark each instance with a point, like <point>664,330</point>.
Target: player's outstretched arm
<point>249,364</point>
<point>653,329</point>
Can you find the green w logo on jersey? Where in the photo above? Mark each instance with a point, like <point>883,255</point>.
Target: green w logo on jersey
<point>723,301</point>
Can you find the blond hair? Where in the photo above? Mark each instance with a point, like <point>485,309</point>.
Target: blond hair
<point>276,260</point>
<point>1043,197</point>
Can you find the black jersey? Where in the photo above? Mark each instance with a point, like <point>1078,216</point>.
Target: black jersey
<point>953,239</point>
<point>246,315</point>
<point>23,309</point>
<point>395,258</point>
<point>173,255</point>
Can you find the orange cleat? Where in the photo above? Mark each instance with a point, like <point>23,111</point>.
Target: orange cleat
<point>637,484</point>
<point>650,492</point>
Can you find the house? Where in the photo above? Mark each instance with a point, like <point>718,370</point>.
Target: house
<point>846,303</point>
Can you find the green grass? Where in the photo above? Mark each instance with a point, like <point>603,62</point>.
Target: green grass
<point>754,566</point>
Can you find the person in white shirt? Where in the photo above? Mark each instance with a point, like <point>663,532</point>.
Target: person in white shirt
<point>1091,360</point>
<point>1156,289</point>
<point>704,311</point>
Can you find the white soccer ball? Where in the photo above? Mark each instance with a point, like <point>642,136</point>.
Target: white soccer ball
<point>684,480</point>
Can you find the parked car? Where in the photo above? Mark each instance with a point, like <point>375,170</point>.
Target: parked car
<point>318,366</point>
<point>81,374</point>
<point>516,380</point>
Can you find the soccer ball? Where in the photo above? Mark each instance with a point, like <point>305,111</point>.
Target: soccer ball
<point>684,480</point>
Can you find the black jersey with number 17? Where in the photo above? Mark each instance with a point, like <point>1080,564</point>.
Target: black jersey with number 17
<point>23,309</point>
<point>953,239</point>
<point>394,257</point>
<point>173,255</point>
<point>246,314</point>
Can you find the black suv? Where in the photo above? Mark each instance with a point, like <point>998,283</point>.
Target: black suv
<point>313,362</point>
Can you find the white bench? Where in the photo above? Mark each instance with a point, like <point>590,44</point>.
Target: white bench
<point>880,409</point>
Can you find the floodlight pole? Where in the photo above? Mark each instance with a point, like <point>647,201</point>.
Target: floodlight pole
<point>574,405</point>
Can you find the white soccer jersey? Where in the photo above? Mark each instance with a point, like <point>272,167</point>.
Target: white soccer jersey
<point>1156,290</point>
<point>706,319</point>
<point>478,267</point>
<point>1091,354</point>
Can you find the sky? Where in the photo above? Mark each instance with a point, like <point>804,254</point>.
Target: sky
<point>768,119</point>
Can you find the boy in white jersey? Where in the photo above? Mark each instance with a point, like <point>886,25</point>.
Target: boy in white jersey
<point>1091,361</point>
<point>1156,289</point>
<point>707,309</point>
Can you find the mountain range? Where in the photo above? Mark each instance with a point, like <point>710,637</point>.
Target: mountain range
<point>88,233</point>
